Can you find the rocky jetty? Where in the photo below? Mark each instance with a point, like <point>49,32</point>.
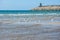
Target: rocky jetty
<point>50,7</point>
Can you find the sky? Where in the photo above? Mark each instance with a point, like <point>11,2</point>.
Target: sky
<point>25,4</point>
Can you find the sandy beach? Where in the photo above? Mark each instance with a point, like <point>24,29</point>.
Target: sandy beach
<point>36,28</point>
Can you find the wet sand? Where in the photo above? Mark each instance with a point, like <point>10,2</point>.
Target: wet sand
<point>45,29</point>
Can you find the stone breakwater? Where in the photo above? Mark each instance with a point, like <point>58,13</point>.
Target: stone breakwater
<point>47,8</point>
<point>29,27</point>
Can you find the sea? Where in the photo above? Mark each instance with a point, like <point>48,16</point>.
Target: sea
<point>29,24</point>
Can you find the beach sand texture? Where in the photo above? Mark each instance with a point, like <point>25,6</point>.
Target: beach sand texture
<point>30,28</point>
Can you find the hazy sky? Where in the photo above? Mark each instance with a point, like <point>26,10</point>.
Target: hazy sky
<point>25,4</point>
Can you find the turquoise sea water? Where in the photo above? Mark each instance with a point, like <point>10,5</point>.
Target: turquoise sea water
<point>29,25</point>
<point>29,11</point>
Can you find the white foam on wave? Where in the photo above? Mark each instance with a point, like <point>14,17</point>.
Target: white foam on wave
<point>18,14</point>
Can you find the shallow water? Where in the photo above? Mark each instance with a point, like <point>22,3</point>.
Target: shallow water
<point>30,27</point>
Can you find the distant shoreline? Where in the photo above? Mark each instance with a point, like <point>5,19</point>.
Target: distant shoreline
<point>50,7</point>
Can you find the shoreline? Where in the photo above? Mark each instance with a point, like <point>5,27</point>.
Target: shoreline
<point>47,8</point>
